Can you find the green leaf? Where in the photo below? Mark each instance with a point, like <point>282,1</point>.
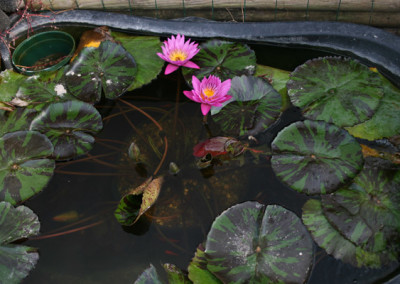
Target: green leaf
<point>108,68</point>
<point>69,126</point>
<point>386,121</point>
<point>24,169</point>
<point>44,89</point>
<point>137,201</point>
<point>335,90</point>
<point>144,49</point>
<point>222,59</point>
<point>18,119</point>
<point>277,78</point>
<point>335,244</point>
<point>198,272</point>
<point>315,157</point>
<point>9,84</point>
<point>255,105</point>
<point>149,276</point>
<point>175,275</point>
<point>15,260</point>
<point>251,243</point>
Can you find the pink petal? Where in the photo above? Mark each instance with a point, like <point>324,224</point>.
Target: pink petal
<point>191,96</point>
<point>196,84</point>
<point>225,87</point>
<point>190,64</point>
<point>162,56</point>
<point>205,108</point>
<point>170,68</point>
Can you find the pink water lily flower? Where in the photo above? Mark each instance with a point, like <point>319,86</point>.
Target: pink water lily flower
<point>209,92</point>
<point>178,53</point>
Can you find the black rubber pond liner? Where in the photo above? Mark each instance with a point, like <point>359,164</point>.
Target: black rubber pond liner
<point>371,46</point>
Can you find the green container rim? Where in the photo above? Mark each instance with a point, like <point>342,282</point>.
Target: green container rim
<point>38,40</point>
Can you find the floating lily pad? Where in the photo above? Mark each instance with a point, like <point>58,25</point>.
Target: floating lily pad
<point>175,275</point>
<point>144,49</point>
<point>255,106</point>
<point>222,59</point>
<point>335,90</point>
<point>198,272</point>
<point>24,167</point>
<point>70,126</point>
<point>315,157</point>
<point>277,78</point>
<point>16,260</point>
<point>251,243</point>
<point>108,68</point>
<point>136,202</point>
<point>18,119</point>
<point>149,276</point>
<point>44,89</point>
<point>386,121</point>
<point>9,84</point>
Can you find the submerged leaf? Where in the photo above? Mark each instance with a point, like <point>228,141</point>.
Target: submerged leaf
<point>136,202</point>
<point>252,243</point>
<point>335,90</point>
<point>315,157</point>
<point>255,106</point>
<point>222,59</point>
<point>69,126</point>
<point>24,167</point>
<point>108,68</point>
<point>15,224</point>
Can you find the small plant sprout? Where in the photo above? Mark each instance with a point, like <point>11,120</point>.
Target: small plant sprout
<point>177,53</point>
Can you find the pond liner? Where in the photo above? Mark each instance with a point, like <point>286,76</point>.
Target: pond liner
<point>371,46</point>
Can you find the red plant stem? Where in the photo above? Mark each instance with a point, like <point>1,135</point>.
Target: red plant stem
<point>159,127</point>
<point>42,237</point>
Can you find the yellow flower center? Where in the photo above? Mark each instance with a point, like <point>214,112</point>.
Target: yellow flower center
<point>208,92</point>
<point>177,55</point>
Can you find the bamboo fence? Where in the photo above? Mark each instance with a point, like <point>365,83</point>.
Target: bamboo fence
<point>380,13</point>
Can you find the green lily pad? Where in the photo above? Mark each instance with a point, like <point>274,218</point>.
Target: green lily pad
<point>222,59</point>
<point>69,126</point>
<point>149,276</point>
<point>144,49</point>
<point>9,84</point>
<point>41,90</point>
<point>335,90</point>
<point>18,119</point>
<point>24,168</point>
<point>277,78</point>
<point>16,260</point>
<point>255,106</point>
<point>175,275</point>
<point>198,272</point>
<point>136,202</point>
<point>368,212</point>
<point>108,68</point>
<point>252,243</point>
<point>386,121</point>
<point>315,157</point>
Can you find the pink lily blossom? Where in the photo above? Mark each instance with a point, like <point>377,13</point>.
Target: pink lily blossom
<point>178,53</point>
<point>209,92</point>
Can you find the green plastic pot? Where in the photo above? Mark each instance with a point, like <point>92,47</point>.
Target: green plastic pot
<point>46,51</point>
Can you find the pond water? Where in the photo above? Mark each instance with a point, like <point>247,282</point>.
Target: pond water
<point>90,246</point>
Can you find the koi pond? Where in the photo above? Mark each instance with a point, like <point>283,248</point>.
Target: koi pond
<point>190,160</point>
